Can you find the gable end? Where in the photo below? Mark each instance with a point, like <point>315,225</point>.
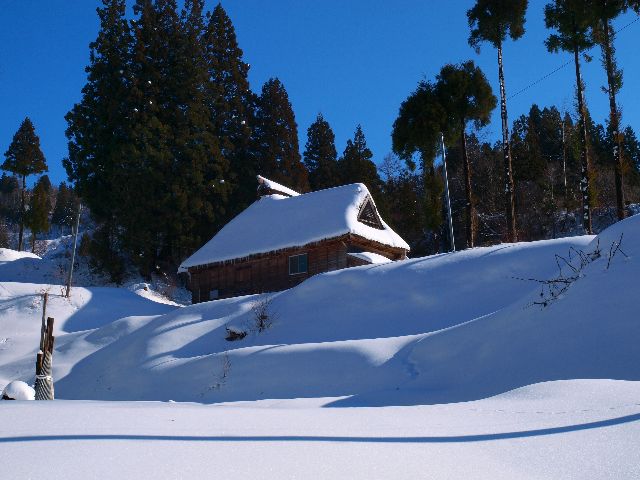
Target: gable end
<point>369,215</point>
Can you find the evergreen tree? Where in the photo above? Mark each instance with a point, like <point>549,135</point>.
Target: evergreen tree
<point>537,151</point>
<point>570,19</point>
<point>320,156</point>
<point>176,191</point>
<point>631,162</point>
<point>356,166</point>
<point>416,132</point>
<point>200,170</point>
<point>603,13</point>
<point>277,137</point>
<point>147,190</point>
<point>526,151</point>
<point>9,198</point>
<point>232,106</point>
<point>402,192</point>
<point>37,217</point>
<point>24,158</point>
<point>570,162</point>
<point>491,21</point>
<point>631,149</point>
<point>4,235</point>
<point>465,94</point>
<point>98,130</point>
<point>66,205</point>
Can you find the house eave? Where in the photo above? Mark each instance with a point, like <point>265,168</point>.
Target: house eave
<point>344,237</point>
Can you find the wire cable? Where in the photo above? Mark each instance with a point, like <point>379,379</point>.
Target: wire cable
<point>533,84</point>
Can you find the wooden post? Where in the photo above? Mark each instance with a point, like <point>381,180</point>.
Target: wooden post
<point>44,315</point>
<point>44,382</point>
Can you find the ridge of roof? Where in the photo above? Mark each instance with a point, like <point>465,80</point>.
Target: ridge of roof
<point>275,186</point>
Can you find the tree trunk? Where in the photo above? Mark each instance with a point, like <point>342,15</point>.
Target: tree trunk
<point>471,223</point>
<point>33,242</point>
<point>614,119</point>
<point>506,149</point>
<point>585,180</point>
<point>22,205</point>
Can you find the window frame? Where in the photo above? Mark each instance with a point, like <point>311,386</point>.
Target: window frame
<point>297,257</point>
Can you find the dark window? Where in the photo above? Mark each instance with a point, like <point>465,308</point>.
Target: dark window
<point>298,264</point>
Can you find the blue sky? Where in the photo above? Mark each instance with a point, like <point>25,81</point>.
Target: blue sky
<point>355,61</point>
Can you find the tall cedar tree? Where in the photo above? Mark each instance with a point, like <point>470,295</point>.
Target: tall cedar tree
<point>416,131</point>
<point>37,217</point>
<point>491,21</point>
<point>603,13</point>
<point>571,20</point>
<point>356,166</point>
<point>149,187</point>
<point>200,169</point>
<point>232,106</point>
<point>466,96</point>
<point>174,151</point>
<point>97,130</point>
<point>24,158</point>
<point>277,137</point>
<point>320,156</point>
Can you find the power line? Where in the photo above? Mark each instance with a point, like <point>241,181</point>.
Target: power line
<point>563,65</point>
<point>540,79</point>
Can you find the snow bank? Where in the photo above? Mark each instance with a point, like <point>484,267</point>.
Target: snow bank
<point>18,390</point>
<point>336,334</point>
<point>438,329</point>
<point>8,255</point>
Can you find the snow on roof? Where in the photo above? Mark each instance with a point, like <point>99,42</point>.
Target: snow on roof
<point>373,258</point>
<point>275,222</point>
<point>276,187</point>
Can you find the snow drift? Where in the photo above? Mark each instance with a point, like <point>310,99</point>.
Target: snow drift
<point>438,329</point>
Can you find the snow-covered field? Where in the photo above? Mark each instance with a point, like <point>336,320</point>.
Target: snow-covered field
<point>561,430</point>
<point>449,371</point>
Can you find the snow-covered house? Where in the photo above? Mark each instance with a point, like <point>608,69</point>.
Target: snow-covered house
<point>284,237</point>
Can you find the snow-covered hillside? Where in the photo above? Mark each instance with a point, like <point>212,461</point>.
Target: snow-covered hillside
<point>438,329</point>
<point>404,337</point>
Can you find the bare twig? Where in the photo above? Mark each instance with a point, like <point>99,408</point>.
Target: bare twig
<point>615,247</point>
<point>554,288</point>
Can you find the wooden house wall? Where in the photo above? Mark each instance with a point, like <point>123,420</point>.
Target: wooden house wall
<point>270,272</point>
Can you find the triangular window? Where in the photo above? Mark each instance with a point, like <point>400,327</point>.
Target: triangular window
<point>369,215</point>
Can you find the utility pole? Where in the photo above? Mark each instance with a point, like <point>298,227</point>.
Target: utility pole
<point>73,255</point>
<point>446,192</point>
<point>564,159</point>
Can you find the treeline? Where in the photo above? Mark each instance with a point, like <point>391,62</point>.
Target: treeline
<point>47,208</point>
<point>168,137</point>
<point>460,95</point>
<point>35,209</point>
<point>546,151</point>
